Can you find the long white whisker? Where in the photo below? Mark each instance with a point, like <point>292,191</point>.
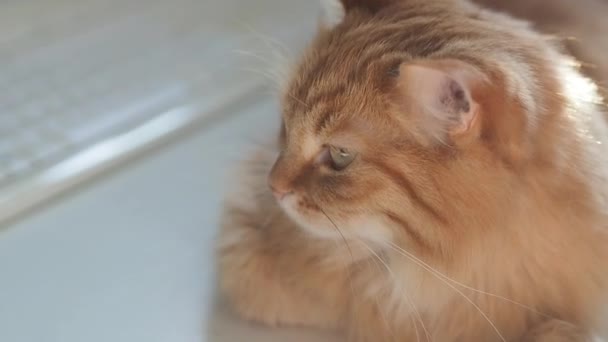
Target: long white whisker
<point>267,75</point>
<point>350,280</point>
<point>497,296</point>
<point>417,313</point>
<point>440,276</point>
<point>278,76</point>
<point>272,70</point>
<point>250,54</point>
<point>298,100</point>
<point>407,297</point>
<point>280,53</point>
<point>388,327</point>
<point>489,294</point>
<point>275,77</point>
<point>268,40</point>
<point>376,256</point>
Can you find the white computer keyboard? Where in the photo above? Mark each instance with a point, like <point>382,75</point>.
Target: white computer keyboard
<point>84,83</point>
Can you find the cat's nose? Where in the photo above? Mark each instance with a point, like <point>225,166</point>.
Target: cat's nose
<point>279,179</point>
<point>279,188</point>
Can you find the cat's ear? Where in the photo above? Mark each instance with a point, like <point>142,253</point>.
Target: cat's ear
<point>440,96</point>
<point>334,11</point>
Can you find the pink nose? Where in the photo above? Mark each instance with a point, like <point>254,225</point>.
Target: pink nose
<point>279,180</point>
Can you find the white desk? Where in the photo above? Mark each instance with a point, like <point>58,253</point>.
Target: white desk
<point>130,257</point>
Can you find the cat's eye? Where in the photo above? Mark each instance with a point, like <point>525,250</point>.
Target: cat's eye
<point>340,157</point>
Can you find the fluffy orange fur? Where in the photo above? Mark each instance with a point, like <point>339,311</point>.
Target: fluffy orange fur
<point>475,207</point>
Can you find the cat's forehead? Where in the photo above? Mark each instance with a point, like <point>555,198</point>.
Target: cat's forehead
<point>336,78</point>
<point>336,100</point>
<point>329,107</point>
<point>350,61</point>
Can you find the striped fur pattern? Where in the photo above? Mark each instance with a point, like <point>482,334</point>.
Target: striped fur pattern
<point>475,208</point>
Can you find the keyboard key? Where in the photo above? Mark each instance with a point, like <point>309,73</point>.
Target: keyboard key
<point>86,128</point>
<point>73,81</point>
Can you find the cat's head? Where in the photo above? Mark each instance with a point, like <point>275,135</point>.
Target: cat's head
<point>399,122</point>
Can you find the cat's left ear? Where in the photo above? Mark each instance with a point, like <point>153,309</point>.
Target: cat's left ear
<point>334,11</point>
<point>439,96</point>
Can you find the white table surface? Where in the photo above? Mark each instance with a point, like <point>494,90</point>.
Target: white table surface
<point>130,256</point>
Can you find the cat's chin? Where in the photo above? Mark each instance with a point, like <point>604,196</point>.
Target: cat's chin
<point>310,221</point>
<point>319,225</point>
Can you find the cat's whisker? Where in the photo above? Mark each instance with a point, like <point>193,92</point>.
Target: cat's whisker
<point>417,313</point>
<point>274,77</point>
<point>376,256</point>
<point>258,57</point>
<point>489,294</point>
<point>263,73</point>
<point>352,256</point>
<point>267,67</point>
<point>341,234</point>
<point>416,329</point>
<point>407,297</point>
<point>298,100</point>
<point>383,316</point>
<point>279,75</point>
<point>440,276</point>
<point>267,75</point>
<point>523,306</point>
<point>268,40</point>
<point>248,53</point>
<point>264,64</point>
<point>278,50</point>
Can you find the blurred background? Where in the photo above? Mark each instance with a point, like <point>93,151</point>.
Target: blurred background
<point>120,122</point>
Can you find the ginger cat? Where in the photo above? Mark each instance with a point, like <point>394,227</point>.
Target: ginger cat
<point>441,176</point>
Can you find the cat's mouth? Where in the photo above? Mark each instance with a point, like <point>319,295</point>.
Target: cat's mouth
<point>306,214</point>
<point>297,207</point>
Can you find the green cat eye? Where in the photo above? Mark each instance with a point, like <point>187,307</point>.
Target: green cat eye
<point>341,157</point>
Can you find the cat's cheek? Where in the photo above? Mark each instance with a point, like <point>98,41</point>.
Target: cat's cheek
<point>371,229</point>
<point>312,220</point>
